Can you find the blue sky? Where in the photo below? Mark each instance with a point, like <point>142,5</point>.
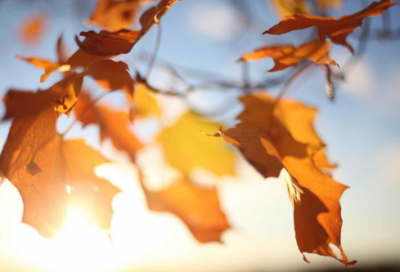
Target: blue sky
<point>361,128</point>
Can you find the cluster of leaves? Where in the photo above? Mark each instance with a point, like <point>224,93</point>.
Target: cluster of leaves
<point>274,134</point>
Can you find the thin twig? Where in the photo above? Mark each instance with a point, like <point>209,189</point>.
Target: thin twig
<point>154,54</point>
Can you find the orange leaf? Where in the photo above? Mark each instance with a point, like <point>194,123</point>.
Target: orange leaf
<point>41,165</point>
<point>31,30</point>
<point>108,43</point>
<point>275,136</point>
<point>115,15</point>
<point>111,75</point>
<point>122,41</point>
<point>287,55</point>
<point>78,60</point>
<point>113,125</point>
<point>197,207</point>
<point>336,29</point>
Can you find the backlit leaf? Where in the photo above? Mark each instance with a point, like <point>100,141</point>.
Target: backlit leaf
<point>287,55</point>
<point>336,29</point>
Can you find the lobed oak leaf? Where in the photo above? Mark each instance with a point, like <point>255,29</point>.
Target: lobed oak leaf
<point>185,147</point>
<point>279,135</point>
<point>199,208</point>
<point>113,125</point>
<point>122,41</point>
<point>287,55</point>
<point>31,30</point>
<point>41,165</point>
<point>336,29</point>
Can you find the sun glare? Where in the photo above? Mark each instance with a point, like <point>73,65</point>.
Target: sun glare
<point>84,245</point>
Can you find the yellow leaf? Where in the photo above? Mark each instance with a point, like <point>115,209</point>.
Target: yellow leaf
<point>145,103</point>
<point>186,147</point>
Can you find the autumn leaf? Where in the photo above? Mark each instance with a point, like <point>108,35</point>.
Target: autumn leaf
<point>42,166</point>
<point>111,75</point>
<point>289,7</point>
<point>67,91</point>
<point>287,55</point>
<point>115,15</point>
<point>122,41</point>
<point>336,29</point>
<point>48,66</point>
<point>279,135</point>
<point>107,43</point>
<point>31,30</point>
<point>153,15</point>
<point>145,103</point>
<point>199,208</point>
<point>185,147</point>
<point>78,60</point>
<point>113,124</point>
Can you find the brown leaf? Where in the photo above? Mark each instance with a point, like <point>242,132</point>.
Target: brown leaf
<point>111,75</point>
<point>31,30</point>
<point>274,136</point>
<point>122,41</point>
<point>197,207</point>
<point>287,55</point>
<point>61,97</point>
<point>336,29</point>
<point>41,165</point>
<point>108,43</point>
<point>113,125</point>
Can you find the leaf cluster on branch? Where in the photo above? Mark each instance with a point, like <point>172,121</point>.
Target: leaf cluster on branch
<point>275,135</point>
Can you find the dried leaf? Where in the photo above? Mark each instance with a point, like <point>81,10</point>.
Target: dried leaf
<point>287,55</point>
<point>273,136</point>
<point>115,15</point>
<point>113,125</point>
<point>185,146</point>
<point>197,207</point>
<point>111,75</point>
<point>48,66</point>
<point>289,7</point>
<point>108,43</point>
<point>41,165</point>
<point>122,41</point>
<point>78,60</point>
<point>336,29</point>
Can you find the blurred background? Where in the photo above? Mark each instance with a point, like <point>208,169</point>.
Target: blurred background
<point>201,41</point>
